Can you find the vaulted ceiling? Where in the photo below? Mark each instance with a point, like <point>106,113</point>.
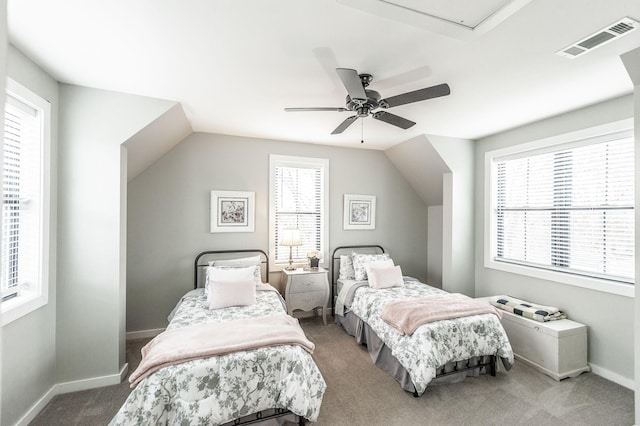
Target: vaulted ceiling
<point>235,65</point>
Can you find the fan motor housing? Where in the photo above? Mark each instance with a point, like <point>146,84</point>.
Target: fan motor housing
<point>363,108</point>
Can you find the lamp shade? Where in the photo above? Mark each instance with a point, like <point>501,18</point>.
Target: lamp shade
<point>291,237</point>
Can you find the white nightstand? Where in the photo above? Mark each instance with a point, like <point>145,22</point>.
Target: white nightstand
<point>306,289</point>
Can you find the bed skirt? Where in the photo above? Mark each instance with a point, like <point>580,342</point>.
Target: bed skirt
<point>382,358</point>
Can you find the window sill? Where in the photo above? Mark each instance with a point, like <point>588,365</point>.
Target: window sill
<point>21,305</point>
<point>611,287</point>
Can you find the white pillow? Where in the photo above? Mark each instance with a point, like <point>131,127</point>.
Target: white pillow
<point>360,260</point>
<point>227,273</point>
<point>223,294</point>
<point>346,268</point>
<point>242,263</point>
<point>231,273</point>
<point>386,263</point>
<point>385,276</point>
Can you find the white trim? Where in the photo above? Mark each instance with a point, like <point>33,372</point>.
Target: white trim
<point>36,408</point>
<point>294,161</point>
<point>75,386</point>
<point>441,25</point>
<point>602,131</point>
<point>92,383</point>
<point>143,334</point>
<point>28,301</point>
<point>124,371</point>
<point>19,306</point>
<point>614,377</point>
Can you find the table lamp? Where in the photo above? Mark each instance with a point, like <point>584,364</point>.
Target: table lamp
<point>290,238</point>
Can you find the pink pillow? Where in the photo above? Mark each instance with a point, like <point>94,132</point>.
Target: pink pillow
<point>385,277</point>
<point>223,294</point>
<point>386,263</point>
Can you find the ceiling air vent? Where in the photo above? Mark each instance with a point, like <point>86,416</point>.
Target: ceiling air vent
<point>609,33</point>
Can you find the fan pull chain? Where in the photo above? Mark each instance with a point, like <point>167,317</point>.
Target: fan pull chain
<point>362,131</point>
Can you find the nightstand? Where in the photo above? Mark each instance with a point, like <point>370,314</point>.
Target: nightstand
<point>306,289</point>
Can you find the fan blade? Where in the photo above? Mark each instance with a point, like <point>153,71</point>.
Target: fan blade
<point>338,109</point>
<point>396,120</point>
<point>418,95</point>
<point>343,126</point>
<point>352,83</point>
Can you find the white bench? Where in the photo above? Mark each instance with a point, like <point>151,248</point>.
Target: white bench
<point>557,348</point>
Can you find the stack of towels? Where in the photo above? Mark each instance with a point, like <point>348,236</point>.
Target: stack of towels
<point>527,309</point>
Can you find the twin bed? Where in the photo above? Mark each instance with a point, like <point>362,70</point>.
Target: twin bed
<point>183,379</point>
<point>258,384</point>
<point>445,350</point>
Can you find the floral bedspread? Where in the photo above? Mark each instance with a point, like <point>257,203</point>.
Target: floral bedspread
<point>219,389</point>
<point>434,344</point>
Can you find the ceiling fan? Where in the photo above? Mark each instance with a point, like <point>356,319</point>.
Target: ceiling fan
<point>364,101</point>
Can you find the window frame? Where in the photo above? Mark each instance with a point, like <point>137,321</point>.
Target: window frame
<point>30,299</point>
<point>623,128</point>
<point>293,161</point>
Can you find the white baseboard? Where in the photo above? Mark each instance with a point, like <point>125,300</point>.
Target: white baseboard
<point>36,408</point>
<point>143,334</point>
<point>124,371</point>
<point>76,385</point>
<point>94,382</point>
<point>614,377</point>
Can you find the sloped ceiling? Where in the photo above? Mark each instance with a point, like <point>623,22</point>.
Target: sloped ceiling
<point>152,142</point>
<point>235,65</point>
<point>421,165</point>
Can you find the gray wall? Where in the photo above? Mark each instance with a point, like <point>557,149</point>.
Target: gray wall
<point>3,75</point>
<point>28,365</point>
<point>90,341</point>
<point>609,317</point>
<point>76,341</point>
<point>168,213</point>
<point>631,61</point>
<point>457,214</point>
<point>434,247</point>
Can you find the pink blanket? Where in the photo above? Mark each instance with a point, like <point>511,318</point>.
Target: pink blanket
<point>407,315</point>
<point>206,340</point>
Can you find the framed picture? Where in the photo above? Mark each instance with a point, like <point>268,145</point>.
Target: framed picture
<point>232,211</point>
<point>359,211</point>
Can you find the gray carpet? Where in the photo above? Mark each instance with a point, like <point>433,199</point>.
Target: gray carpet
<point>358,393</point>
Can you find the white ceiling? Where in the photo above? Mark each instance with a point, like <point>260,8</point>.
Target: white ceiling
<point>234,65</point>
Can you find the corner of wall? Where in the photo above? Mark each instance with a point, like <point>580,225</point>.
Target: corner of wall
<point>631,61</point>
<point>458,214</point>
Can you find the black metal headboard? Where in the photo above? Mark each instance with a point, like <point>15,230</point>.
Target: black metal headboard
<point>335,263</point>
<point>202,260</point>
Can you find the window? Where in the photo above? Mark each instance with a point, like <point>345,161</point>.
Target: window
<point>25,203</point>
<point>566,210</point>
<point>298,199</point>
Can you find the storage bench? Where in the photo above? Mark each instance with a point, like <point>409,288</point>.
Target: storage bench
<point>557,348</point>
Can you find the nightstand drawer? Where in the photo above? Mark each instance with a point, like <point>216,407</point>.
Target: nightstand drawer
<point>306,290</point>
<point>307,283</point>
<point>307,301</point>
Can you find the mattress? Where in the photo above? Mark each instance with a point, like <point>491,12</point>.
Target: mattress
<point>438,344</point>
<point>219,389</point>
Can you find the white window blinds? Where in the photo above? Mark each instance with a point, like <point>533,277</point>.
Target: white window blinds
<point>21,195</point>
<point>568,209</point>
<point>298,201</point>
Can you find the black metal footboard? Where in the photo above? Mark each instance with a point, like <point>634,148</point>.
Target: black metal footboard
<point>264,416</point>
<point>486,361</point>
